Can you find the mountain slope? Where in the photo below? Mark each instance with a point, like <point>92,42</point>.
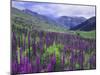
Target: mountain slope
<point>69,22</point>
<point>27,20</point>
<point>47,19</point>
<point>88,25</point>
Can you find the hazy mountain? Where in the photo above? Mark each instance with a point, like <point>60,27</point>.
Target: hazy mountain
<point>70,22</point>
<point>88,25</point>
<point>63,21</point>
<point>27,11</point>
<point>47,19</point>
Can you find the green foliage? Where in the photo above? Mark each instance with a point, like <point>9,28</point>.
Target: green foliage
<point>77,66</point>
<point>18,54</point>
<point>55,48</point>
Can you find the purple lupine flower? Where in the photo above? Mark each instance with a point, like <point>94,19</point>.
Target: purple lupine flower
<point>81,59</point>
<point>49,67</point>
<point>40,46</point>
<point>72,60</point>
<point>34,48</point>
<point>21,50</point>
<point>41,34</point>
<point>63,60</point>
<point>64,49</point>
<point>29,44</point>
<point>24,43</point>
<point>14,41</point>
<point>34,68</point>
<point>29,40</point>
<point>37,60</point>
<point>25,66</point>
<point>47,40</point>
<point>53,60</point>
<point>92,62</point>
<point>14,67</point>
<point>14,45</point>
<point>14,36</point>
<point>38,63</point>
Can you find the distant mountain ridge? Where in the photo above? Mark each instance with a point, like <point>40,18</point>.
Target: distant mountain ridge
<point>41,17</point>
<point>48,23</point>
<point>27,11</point>
<point>69,21</point>
<point>88,25</point>
<point>62,21</point>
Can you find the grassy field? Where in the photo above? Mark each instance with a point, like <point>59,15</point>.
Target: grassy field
<point>89,34</point>
<point>84,34</point>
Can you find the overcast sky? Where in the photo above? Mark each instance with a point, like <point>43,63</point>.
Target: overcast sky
<point>57,9</point>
